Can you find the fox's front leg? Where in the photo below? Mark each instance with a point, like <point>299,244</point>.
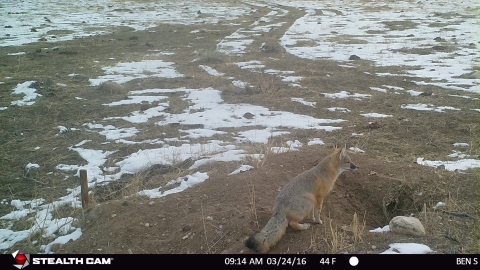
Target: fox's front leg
<point>314,214</point>
<point>317,210</point>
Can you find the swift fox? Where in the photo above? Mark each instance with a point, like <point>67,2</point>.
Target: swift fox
<point>300,197</point>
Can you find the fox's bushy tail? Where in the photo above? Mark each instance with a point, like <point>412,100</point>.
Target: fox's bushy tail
<point>269,235</point>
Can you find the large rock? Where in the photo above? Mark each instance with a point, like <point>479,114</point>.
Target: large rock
<point>407,225</point>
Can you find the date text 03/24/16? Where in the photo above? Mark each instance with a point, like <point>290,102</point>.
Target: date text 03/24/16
<point>266,261</point>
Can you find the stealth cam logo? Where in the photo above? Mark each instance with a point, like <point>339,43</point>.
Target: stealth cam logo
<point>22,259</point>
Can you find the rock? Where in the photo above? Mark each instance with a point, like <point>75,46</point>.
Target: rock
<point>407,225</point>
<point>354,57</point>
<point>271,48</point>
<point>55,247</point>
<point>373,125</point>
<point>79,77</point>
<point>248,115</point>
<point>111,87</point>
<point>441,167</point>
<point>145,106</point>
<point>186,236</point>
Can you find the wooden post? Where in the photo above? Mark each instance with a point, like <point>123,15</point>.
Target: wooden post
<point>84,187</point>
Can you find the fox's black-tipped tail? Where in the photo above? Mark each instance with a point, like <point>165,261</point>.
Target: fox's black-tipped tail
<point>252,244</point>
<point>270,234</point>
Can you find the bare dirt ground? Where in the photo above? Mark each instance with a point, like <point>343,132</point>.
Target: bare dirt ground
<point>219,214</point>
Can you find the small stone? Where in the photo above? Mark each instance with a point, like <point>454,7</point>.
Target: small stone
<point>80,77</point>
<point>248,115</point>
<point>147,224</point>
<point>354,57</point>
<point>373,125</point>
<point>111,87</point>
<point>186,236</point>
<point>114,215</point>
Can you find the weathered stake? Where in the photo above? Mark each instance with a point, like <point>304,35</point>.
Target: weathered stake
<point>84,187</point>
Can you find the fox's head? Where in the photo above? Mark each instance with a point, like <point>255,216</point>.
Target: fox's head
<point>344,161</point>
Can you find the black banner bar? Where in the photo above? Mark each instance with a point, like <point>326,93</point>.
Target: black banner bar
<point>308,261</point>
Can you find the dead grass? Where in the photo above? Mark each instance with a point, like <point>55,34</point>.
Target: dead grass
<point>357,229</point>
<point>335,238</point>
<point>253,208</point>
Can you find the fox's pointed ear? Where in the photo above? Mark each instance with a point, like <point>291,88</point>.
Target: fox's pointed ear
<point>338,153</point>
<point>342,153</point>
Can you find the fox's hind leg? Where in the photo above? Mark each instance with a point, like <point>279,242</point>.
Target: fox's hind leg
<point>298,226</point>
<point>297,212</point>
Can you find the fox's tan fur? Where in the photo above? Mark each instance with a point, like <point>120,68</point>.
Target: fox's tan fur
<point>299,198</point>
